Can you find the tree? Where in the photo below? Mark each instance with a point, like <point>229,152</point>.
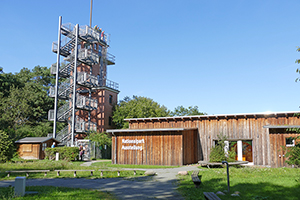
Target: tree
<point>182,111</point>
<point>101,138</point>
<point>24,103</point>
<point>137,107</point>
<point>293,153</point>
<point>218,154</point>
<point>6,147</point>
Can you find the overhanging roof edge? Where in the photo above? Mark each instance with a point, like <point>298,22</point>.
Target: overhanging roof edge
<point>281,126</point>
<point>148,130</point>
<point>215,116</point>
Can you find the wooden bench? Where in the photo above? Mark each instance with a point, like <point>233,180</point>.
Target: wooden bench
<point>27,172</point>
<point>196,179</point>
<point>73,170</point>
<point>211,196</point>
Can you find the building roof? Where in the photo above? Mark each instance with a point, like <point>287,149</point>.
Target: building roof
<point>35,140</point>
<point>218,116</point>
<point>281,126</point>
<point>147,130</point>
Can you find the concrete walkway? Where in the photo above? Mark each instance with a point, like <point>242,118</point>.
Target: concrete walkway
<point>161,186</point>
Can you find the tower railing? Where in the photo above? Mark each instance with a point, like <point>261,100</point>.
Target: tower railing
<point>112,84</point>
<point>65,68</point>
<point>87,80</point>
<point>83,127</point>
<point>64,90</point>
<point>86,56</point>
<point>110,58</point>
<point>86,103</point>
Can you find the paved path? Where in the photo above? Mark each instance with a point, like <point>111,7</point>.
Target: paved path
<point>161,186</point>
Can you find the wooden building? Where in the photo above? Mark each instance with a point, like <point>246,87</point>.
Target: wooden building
<point>33,147</point>
<point>255,137</point>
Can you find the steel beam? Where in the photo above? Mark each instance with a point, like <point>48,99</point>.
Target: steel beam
<point>57,75</point>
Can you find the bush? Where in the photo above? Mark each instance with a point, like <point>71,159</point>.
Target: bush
<point>218,154</point>
<point>6,147</point>
<point>65,153</point>
<point>293,153</point>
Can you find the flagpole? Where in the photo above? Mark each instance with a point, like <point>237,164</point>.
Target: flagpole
<point>91,13</point>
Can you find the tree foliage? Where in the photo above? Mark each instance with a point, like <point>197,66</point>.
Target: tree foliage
<point>6,147</point>
<point>218,154</point>
<point>24,102</point>
<point>25,98</point>
<point>101,138</point>
<point>190,111</point>
<point>137,107</point>
<point>293,153</point>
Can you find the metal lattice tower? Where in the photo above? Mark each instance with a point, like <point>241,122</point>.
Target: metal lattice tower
<point>82,72</point>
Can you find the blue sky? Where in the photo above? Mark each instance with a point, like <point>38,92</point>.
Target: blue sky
<point>223,56</point>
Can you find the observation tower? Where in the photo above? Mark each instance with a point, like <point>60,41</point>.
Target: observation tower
<point>84,97</point>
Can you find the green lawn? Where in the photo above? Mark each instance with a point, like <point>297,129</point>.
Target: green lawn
<point>251,182</point>
<point>50,192</point>
<point>116,166</point>
<point>109,170</point>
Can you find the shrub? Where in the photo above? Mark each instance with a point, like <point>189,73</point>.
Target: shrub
<point>65,153</point>
<point>6,147</point>
<point>218,154</point>
<point>293,153</point>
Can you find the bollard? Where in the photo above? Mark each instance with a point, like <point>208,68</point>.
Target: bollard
<point>227,175</point>
<point>20,186</point>
<point>57,156</point>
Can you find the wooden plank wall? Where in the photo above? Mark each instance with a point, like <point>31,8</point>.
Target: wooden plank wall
<point>239,127</point>
<point>158,148</point>
<point>190,147</point>
<point>29,151</point>
<point>277,140</point>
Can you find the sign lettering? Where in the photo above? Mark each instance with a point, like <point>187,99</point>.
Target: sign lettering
<point>134,147</point>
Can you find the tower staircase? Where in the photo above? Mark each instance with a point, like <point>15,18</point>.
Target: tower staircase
<point>85,57</point>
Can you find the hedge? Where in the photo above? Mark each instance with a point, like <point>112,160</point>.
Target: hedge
<point>65,153</point>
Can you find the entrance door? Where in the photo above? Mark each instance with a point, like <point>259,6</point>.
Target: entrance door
<point>243,150</point>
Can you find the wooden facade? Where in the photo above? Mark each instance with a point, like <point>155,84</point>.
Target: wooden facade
<point>261,133</point>
<point>155,147</point>
<point>33,147</point>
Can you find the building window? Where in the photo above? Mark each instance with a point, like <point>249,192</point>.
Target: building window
<point>242,149</point>
<point>110,99</point>
<point>289,142</point>
<point>99,48</point>
<point>44,146</point>
<point>95,46</point>
<point>110,121</point>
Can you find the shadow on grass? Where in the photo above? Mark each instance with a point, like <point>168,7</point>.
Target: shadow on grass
<point>257,191</point>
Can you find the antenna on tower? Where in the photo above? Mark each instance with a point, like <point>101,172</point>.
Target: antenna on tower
<point>91,13</point>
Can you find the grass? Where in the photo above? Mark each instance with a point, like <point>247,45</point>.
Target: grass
<point>51,192</point>
<point>116,166</point>
<point>105,166</point>
<point>251,182</point>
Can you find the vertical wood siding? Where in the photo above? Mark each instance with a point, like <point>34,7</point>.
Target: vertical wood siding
<point>277,141</point>
<point>264,145</point>
<point>158,148</point>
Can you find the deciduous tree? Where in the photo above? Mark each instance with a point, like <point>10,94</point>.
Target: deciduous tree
<point>182,111</point>
<point>137,107</point>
